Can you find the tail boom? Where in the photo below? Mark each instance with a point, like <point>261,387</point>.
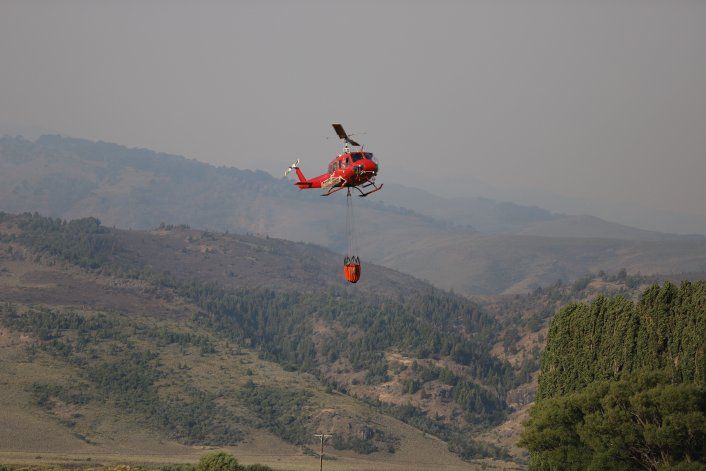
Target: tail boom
<point>303,182</point>
<point>300,175</point>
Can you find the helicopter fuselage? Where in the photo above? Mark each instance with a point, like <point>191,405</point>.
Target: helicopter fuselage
<point>350,169</point>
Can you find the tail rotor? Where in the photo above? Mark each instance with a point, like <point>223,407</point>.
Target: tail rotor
<point>294,165</point>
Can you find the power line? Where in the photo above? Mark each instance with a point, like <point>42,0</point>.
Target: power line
<point>321,455</point>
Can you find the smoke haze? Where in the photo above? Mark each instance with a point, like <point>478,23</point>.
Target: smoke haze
<point>601,103</point>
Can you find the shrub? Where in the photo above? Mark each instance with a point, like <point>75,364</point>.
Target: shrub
<point>218,461</point>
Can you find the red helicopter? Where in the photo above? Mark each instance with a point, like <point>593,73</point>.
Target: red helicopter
<point>351,169</point>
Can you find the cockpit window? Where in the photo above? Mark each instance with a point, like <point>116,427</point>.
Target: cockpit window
<point>362,155</point>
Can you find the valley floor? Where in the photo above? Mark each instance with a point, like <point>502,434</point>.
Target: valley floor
<point>279,463</point>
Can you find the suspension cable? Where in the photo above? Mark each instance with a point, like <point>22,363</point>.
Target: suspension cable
<point>352,248</point>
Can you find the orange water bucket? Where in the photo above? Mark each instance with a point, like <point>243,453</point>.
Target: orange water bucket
<point>352,272</point>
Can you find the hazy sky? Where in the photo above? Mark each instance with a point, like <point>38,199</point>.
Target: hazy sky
<point>590,99</point>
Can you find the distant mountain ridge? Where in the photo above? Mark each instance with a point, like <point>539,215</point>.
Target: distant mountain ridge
<point>475,246</point>
<point>483,214</point>
<point>491,216</point>
<point>593,227</point>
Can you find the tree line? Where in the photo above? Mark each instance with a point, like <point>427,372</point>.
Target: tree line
<point>623,384</point>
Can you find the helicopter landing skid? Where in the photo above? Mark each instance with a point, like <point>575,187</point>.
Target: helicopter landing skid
<point>333,190</point>
<point>364,194</point>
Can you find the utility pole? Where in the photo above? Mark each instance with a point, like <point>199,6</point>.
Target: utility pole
<point>321,456</point>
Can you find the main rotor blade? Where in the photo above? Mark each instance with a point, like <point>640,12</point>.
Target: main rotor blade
<point>342,134</point>
<point>340,131</point>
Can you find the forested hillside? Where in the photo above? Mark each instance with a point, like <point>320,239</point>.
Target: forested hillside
<point>139,188</point>
<point>623,384</point>
<point>419,355</point>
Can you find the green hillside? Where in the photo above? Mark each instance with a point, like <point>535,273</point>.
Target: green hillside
<point>174,331</point>
<point>623,384</point>
<point>90,388</point>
